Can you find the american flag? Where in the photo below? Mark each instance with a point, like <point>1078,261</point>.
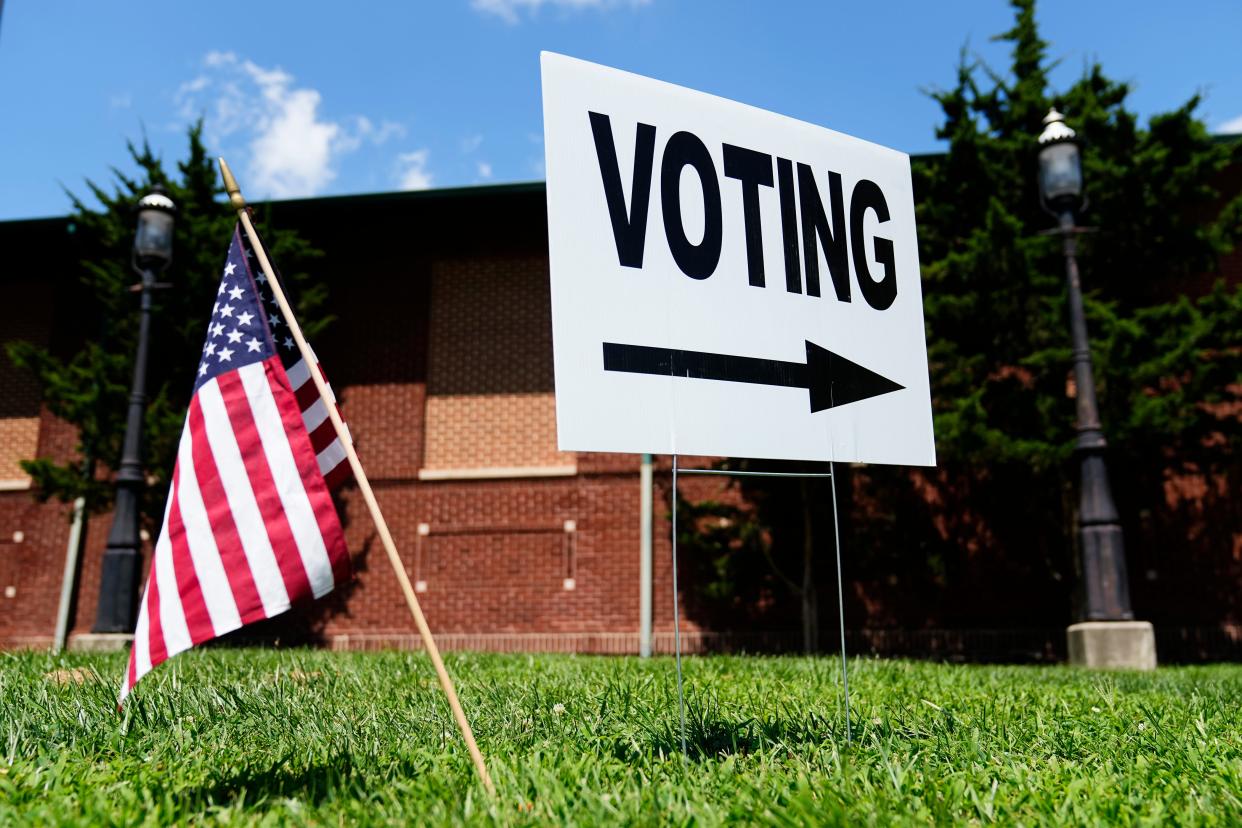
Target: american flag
<point>250,527</point>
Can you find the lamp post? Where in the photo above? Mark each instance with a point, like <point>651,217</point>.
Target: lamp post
<point>118,583</point>
<point>1106,590</point>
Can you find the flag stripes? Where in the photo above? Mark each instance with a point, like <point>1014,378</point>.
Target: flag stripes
<point>189,586</point>
<point>249,526</point>
<point>331,453</point>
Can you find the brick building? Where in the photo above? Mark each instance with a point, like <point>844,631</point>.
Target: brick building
<point>441,356</point>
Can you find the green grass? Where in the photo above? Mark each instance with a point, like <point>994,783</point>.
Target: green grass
<point>306,737</point>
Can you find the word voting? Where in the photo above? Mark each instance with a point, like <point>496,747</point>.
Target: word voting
<point>804,212</point>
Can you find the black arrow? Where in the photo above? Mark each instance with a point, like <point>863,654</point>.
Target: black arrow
<point>832,379</point>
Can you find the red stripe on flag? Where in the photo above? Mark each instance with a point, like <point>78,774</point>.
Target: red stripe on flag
<point>288,558</point>
<point>323,436</point>
<point>197,619</point>
<point>308,470</point>
<point>307,394</point>
<point>131,674</point>
<point>220,516</point>
<point>339,474</point>
<point>155,626</point>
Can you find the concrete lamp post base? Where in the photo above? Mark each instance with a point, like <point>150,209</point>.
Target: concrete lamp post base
<point>100,642</point>
<point>1112,645</point>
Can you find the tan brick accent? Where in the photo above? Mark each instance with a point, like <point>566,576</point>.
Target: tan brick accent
<point>19,440</point>
<point>490,400</point>
<point>26,315</point>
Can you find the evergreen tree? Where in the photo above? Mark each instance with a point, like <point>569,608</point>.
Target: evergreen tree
<point>89,388</point>
<point>1167,352</point>
<point>949,546</point>
<point>994,288</point>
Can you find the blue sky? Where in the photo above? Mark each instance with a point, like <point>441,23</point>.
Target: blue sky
<point>316,98</point>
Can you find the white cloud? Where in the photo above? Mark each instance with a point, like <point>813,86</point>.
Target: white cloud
<point>485,170</point>
<point>378,134</point>
<point>293,148</point>
<point>471,143</point>
<point>511,11</point>
<point>412,172</point>
<point>1231,127</point>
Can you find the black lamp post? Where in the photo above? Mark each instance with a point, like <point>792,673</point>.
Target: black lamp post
<point>1106,587</point>
<point>118,584</point>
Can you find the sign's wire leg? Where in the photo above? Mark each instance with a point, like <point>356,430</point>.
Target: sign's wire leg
<point>681,697</point>
<point>836,536</point>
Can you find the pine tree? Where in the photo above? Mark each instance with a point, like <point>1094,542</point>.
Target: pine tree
<point>1168,362</point>
<point>993,526</point>
<point>994,297</point>
<point>89,388</point>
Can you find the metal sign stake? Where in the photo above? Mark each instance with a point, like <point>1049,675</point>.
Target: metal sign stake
<point>836,538</point>
<point>681,697</point>
<point>836,542</point>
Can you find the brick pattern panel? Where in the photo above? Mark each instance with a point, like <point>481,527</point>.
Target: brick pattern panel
<point>375,356</point>
<point>32,549</point>
<point>386,422</point>
<point>19,439</point>
<point>495,558</point>
<point>490,400</point>
<point>24,316</point>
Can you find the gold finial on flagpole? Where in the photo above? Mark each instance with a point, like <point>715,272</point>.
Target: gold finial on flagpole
<point>230,186</point>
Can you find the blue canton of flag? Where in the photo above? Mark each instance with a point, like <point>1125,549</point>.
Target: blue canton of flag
<point>239,333</point>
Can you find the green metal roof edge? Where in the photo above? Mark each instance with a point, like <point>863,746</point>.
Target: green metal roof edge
<point>399,196</point>
<point>476,190</point>
<point>65,221</point>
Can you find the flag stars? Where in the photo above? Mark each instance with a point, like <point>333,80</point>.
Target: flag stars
<point>253,346</point>
<point>220,292</point>
<point>227,310</point>
<point>288,343</point>
<point>244,318</point>
<point>274,320</point>
<point>225,355</point>
<point>202,369</point>
<point>229,268</point>
<point>210,349</point>
<point>217,329</point>
<point>234,336</point>
<point>236,293</point>
<point>261,278</point>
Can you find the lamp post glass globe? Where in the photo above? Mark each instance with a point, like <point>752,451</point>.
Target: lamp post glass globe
<point>153,241</point>
<point>1060,163</point>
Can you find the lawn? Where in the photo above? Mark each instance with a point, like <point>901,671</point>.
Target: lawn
<point>308,737</point>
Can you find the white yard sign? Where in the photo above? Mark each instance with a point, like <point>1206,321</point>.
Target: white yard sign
<point>728,281</point>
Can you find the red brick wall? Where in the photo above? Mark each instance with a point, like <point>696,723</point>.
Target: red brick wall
<point>30,534</point>
<point>490,400</point>
<point>495,557</point>
<point>407,356</point>
<point>30,569</point>
<point>496,553</point>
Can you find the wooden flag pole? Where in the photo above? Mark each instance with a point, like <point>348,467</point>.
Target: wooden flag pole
<point>239,204</point>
